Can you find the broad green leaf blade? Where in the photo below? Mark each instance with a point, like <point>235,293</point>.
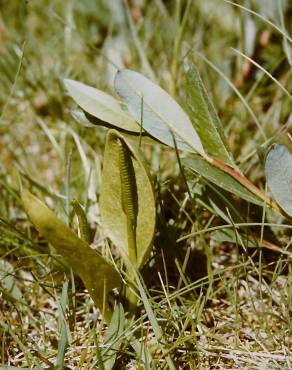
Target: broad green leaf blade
<point>102,106</point>
<point>205,118</point>
<point>158,113</point>
<point>136,191</point>
<point>220,178</point>
<point>278,169</point>
<point>98,275</point>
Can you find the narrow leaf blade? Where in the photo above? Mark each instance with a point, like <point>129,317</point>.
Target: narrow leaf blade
<point>220,178</point>
<point>113,338</point>
<point>205,119</point>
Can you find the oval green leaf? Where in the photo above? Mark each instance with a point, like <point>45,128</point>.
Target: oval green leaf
<point>159,114</point>
<point>278,169</point>
<point>127,199</point>
<point>98,275</point>
<point>205,119</point>
<point>97,104</point>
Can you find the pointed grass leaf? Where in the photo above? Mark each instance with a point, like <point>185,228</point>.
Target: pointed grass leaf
<point>220,178</point>
<point>98,275</point>
<point>159,335</point>
<point>205,119</point>
<point>113,338</point>
<point>101,108</point>
<point>278,169</point>
<point>159,114</point>
<point>127,201</point>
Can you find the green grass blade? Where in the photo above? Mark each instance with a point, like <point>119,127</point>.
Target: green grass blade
<point>155,325</point>
<point>113,338</point>
<point>64,338</point>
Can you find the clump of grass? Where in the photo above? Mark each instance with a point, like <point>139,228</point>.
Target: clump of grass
<point>206,302</point>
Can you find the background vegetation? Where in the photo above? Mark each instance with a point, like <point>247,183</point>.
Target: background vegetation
<point>220,300</point>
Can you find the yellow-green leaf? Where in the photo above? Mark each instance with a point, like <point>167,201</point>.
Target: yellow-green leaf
<point>127,199</point>
<point>98,275</point>
<point>107,110</point>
